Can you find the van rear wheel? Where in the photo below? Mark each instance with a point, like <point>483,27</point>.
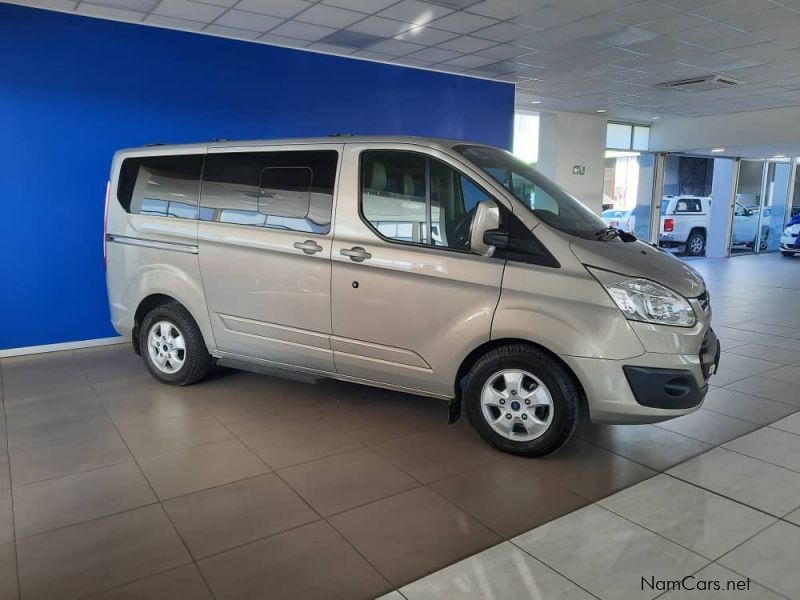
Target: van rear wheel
<point>522,401</point>
<point>172,346</point>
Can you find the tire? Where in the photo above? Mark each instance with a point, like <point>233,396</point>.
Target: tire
<point>503,364</point>
<point>762,244</point>
<point>696,244</point>
<point>172,322</point>
<point>785,253</point>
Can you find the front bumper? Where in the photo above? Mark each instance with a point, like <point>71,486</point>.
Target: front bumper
<point>649,388</point>
<point>789,244</point>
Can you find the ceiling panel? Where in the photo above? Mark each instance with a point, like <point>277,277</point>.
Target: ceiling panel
<point>330,16</point>
<point>276,8</point>
<point>248,20</point>
<point>582,55</point>
<point>413,11</point>
<point>183,9</point>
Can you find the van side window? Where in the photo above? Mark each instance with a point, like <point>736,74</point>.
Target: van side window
<point>290,190</point>
<point>164,186</point>
<point>410,197</point>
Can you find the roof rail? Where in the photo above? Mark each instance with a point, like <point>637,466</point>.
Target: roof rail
<point>341,135</point>
<point>156,144</point>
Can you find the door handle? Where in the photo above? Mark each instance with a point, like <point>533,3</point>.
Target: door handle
<point>309,246</point>
<point>356,253</point>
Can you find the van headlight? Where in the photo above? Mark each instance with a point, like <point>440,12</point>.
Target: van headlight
<point>640,299</point>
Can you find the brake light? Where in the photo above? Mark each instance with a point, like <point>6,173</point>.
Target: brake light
<point>105,226</point>
<point>669,224</point>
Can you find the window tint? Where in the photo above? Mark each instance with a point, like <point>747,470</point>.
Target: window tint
<point>688,205</point>
<point>166,186</point>
<point>279,190</point>
<point>413,198</point>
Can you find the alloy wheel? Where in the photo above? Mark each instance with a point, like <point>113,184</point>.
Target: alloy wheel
<point>517,405</point>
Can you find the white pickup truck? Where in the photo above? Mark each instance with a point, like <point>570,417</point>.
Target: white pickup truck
<point>685,221</point>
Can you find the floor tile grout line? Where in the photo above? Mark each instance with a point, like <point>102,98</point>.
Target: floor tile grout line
<point>150,485</point>
<point>540,561</point>
<point>796,472</point>
<point>716,445</point>
<point>661,535</point>
<point>81,472</point>
<point>718,493</point>
<point>340,534</point>
<point>725,387</point>
<point>118,586</point>
<point>771,426</point>
<point>657,470</point>
<point>760,424</point>
<point>10,485</point>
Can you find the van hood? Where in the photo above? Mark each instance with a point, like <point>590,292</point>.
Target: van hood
<point>638,259</point>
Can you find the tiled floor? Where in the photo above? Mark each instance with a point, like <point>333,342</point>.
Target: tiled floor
<point>245,486</point>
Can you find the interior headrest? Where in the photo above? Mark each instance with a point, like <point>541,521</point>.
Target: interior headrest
<point>378,177</point>
<point>408,184</point>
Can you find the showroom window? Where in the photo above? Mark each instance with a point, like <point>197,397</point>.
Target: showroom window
<point>412,198</point>
<point>165,186</point>
<point>277,190</point>
<point>526,137</point>
<point>625,136</point>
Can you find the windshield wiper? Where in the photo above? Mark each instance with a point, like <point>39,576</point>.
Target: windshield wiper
<point>609,233</point>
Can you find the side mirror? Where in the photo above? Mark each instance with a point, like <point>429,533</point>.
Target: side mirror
<point>486,218</point>
<point>497,238</point>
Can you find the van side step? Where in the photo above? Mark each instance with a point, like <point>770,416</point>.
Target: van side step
<point>246,365</point>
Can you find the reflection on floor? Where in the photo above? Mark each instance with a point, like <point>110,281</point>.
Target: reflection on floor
<point>245,486</point>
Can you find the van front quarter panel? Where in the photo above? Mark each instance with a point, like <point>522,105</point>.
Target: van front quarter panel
<point>584,323</point>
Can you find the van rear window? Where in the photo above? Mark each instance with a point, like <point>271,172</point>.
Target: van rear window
<point>164,186</point>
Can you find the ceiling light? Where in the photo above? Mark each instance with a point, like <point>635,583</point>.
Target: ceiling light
<point>601,110</point>
<point>778,156</point>
<point>536,101</point>
<point>656,118</point>
<point>717,150</point>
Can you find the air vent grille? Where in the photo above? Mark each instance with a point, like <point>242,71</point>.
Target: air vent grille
<point>700,84</point>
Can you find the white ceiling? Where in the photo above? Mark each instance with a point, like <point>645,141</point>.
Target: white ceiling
<point>578,55</point>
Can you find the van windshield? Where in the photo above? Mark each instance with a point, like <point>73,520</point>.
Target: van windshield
<point>551,204</point>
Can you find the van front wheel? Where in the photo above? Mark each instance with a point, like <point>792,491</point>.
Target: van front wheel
<point>172,346</point>
<point>522,401</point>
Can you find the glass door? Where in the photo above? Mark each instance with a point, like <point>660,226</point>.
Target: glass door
<point>761,209</point>
<point>794,211</point>
<point>774,207</point>
<point>745,235</point>
<point>628,191</point>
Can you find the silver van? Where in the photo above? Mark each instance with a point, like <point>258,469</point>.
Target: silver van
<point>435,267</point>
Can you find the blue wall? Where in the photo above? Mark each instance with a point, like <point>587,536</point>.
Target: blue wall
<point>74,89</point>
